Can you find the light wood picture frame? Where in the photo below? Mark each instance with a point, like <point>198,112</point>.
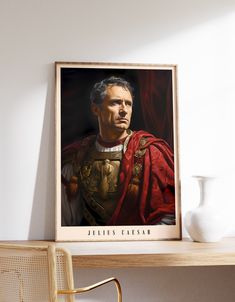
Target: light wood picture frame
<point>117,152</point>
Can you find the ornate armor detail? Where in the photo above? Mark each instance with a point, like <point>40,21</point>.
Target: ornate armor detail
<point>138,166</point>
<point>142,148</point>
<point>99,175</point>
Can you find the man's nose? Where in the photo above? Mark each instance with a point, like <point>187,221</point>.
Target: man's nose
<point>123,107</point>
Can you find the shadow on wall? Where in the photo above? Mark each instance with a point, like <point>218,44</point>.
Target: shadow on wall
<point>128,25</point>
<point>42,224</point>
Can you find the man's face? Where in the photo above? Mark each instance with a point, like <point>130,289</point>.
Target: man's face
<point>114,114</point>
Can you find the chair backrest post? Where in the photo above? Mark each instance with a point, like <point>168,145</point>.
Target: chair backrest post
<point>52,272</point>
<point>68,271</point>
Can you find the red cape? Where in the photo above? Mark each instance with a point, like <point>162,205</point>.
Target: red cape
<point>156,194</point>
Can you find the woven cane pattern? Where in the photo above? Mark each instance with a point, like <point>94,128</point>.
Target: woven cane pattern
<point>39,274</point>
<point>26,276</point>
<point>60,271</point>
<point>23,278</point>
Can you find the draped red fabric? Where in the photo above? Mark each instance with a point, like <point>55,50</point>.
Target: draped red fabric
<point>156,102</point>
<point>156,196</point>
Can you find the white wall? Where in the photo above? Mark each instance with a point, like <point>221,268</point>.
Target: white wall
<point>199,36</point>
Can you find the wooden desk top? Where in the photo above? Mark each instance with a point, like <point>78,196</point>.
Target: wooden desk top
<point>152,253</point>
<point>148,253</point>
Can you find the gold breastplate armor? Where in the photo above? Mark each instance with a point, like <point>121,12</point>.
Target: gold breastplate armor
<point>99,178</point>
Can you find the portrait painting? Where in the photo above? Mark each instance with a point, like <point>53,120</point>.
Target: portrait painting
<point>117,159</point>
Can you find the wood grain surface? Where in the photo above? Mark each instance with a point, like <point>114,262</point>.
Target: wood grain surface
<point>147,253</point>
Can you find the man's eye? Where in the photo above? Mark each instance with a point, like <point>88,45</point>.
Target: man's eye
<point>115,102</point>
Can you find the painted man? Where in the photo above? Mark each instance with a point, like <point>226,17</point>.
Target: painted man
<point>119,177</point>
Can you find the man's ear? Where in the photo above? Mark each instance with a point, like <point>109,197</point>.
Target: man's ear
<point>95,109</point>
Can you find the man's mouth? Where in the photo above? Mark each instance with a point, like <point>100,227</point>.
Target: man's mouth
<point>123,120</point>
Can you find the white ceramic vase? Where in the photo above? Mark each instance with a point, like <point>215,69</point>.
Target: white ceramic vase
<point>205,224</point>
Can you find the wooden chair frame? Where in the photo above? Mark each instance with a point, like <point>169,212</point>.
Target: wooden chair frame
<point>70,291</point>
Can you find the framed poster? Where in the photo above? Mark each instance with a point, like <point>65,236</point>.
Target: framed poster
<point>117,165</point>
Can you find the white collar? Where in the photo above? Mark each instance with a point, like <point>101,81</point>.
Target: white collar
<point>117,148</point>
